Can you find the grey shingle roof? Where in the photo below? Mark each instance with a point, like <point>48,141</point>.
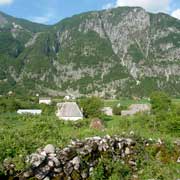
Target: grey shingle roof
<point>70,109</point>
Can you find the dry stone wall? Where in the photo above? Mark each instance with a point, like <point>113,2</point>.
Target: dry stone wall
<point>78,159</point>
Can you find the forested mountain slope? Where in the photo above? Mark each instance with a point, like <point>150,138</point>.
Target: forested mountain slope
<point>118,52</point>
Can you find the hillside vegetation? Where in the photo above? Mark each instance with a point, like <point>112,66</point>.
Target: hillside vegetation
<point>118,52</point>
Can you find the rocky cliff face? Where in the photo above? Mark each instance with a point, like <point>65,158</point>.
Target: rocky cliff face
<point>117,52</point>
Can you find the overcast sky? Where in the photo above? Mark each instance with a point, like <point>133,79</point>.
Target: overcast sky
<point>52,11</point>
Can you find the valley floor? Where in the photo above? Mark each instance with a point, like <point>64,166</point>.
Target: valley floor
<point>22,135</point>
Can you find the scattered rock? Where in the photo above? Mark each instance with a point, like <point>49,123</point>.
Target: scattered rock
<point>127,151</point>
<point>47,178</point>
<point>160,142</point>
<point>84,174</point>
<point>28,174</point>
<point>58,170</point>
<point>55,161</point>
<point>132,162</point>
<point>178,160</point>
<point>177,142</point>
<point>50,163</point>
<point>76,162</point>
<point>68,168</point>
<point>36,159</point>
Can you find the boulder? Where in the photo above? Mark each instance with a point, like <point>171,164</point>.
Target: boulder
<point>68,168</point>
<point>55,161</point>
<point>28,174</point>
<point>42,172</point>
<point>127,151</point>
<point>58,170</point>
<point>84,174</point>
<point>67,154</point>
<point>76,162</point>
<point>51,163</point>
<point>97,123</point>
<point>36,159</point>
<point>49,149</point>
<point>46,178</point>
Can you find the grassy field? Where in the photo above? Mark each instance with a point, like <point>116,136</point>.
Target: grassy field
<point>124,102</point>
<point>22,135</point>
<point>127,102</point>
<point>113,102</point>
<point>176,101</point>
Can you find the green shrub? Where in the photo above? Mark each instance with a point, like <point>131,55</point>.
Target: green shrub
<point>9,104</point>
<point>47,109</point>
<point>12,104</point>
<point>110,169</point>
<point>99,172</point>
<point>160,102</point>
<point>117,109</point>
<point>91,106</point>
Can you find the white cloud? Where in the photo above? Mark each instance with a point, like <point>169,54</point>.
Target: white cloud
<point>150,5</point>
<point>6,2</point>
<point>43,19</point>
<point>108,6</point>
<point>176,13</point>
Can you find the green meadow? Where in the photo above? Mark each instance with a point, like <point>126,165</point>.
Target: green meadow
<point>21,135</point>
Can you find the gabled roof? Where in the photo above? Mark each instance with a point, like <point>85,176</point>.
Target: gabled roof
<point>135,108</point>
<point>69,109</point>
<point>139,107</point>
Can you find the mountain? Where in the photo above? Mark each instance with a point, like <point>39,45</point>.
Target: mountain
<point>117,52</point>
<point>15,36</point>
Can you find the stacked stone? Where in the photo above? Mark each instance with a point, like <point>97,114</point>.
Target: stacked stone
<point>79,158</point>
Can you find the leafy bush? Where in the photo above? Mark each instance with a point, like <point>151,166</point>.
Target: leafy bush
<point>12,104</point>
<point>112,170</point>
<point>9,105</point>
<point>166,114</point>
<point>117,109</point>
<point>160,102</point>
<point>47,109</point>
<point>91,106</point>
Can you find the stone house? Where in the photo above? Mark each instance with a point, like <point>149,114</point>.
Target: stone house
<point>69,111</point>
<point>45,100</point>
<point>136,108</point>
<point>107,111</point>
<point>69,97</point>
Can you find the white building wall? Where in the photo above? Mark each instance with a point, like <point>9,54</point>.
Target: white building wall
<point>71,118</point>
<point>48,102</point>
<point>127,113</point>
<point>107,111</point>
<point>29,111</point>
<point>67,98</point>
